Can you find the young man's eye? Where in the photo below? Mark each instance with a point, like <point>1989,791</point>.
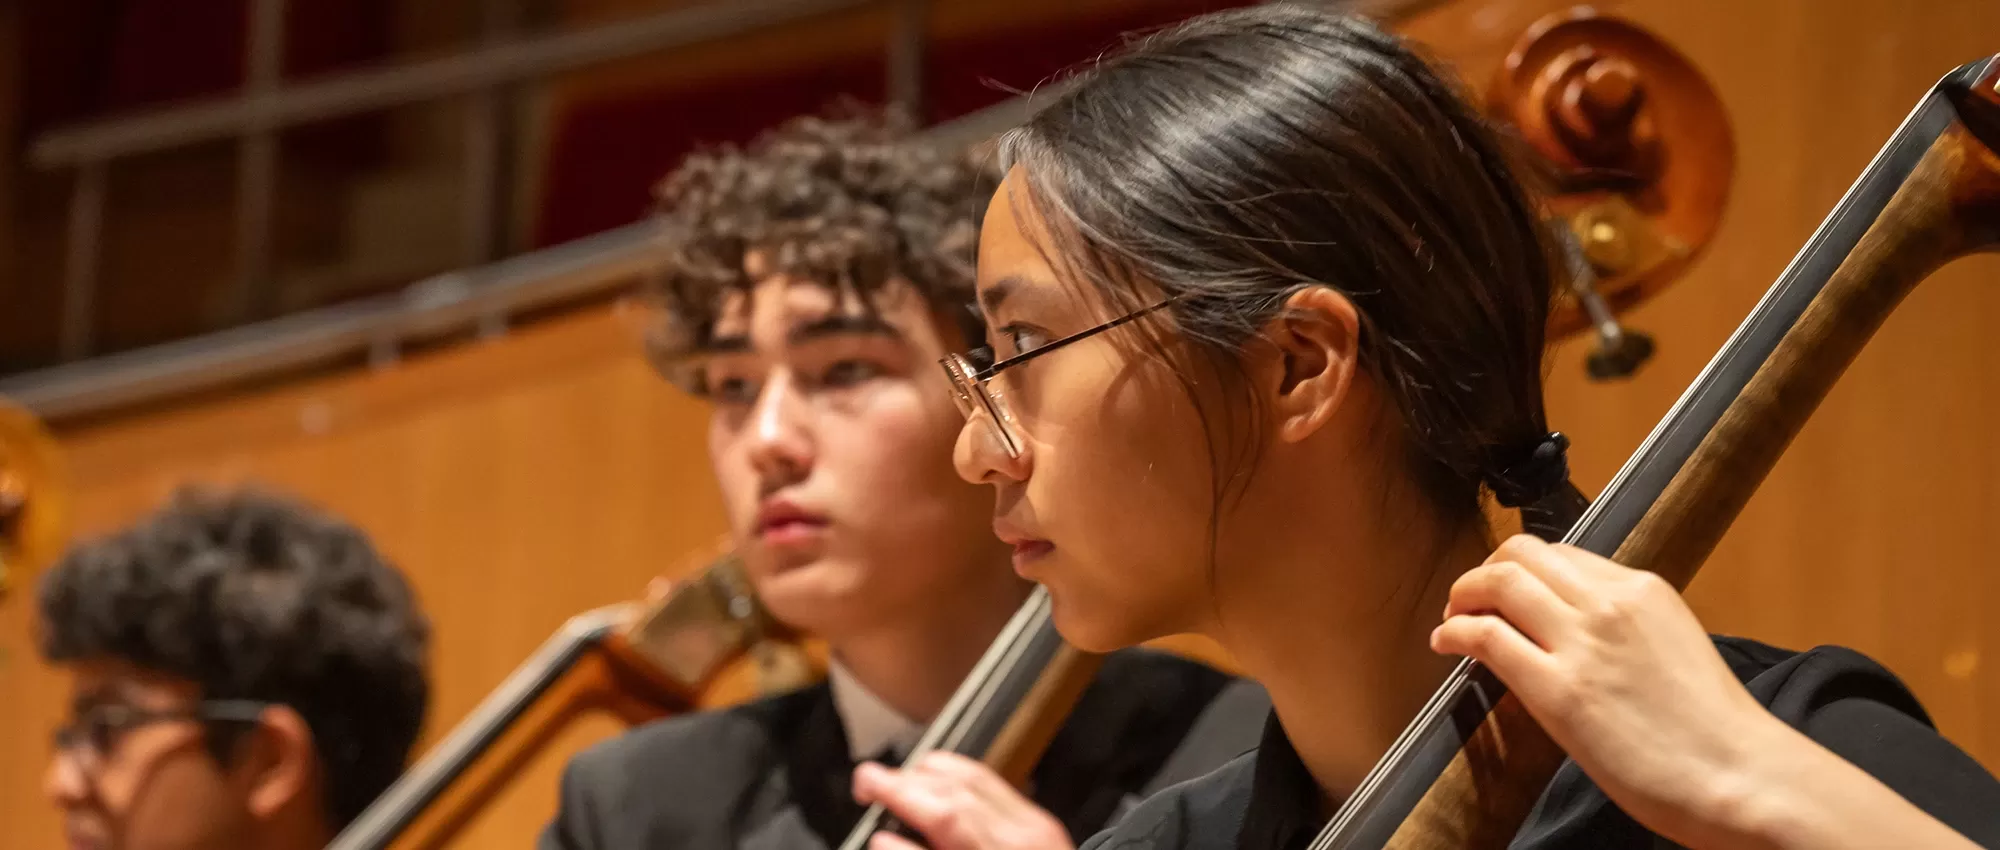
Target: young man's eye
<point>732,389</point>
<point>847,373</point>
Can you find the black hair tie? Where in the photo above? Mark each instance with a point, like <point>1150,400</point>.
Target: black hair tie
<point>1533,472</point>
<point>1536,480</point>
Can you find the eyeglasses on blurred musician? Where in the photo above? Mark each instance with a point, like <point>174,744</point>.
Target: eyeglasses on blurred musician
<point>245,673</point>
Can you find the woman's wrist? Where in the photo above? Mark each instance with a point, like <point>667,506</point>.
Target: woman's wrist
<point>1790,793</point>
<point>1765,798</point>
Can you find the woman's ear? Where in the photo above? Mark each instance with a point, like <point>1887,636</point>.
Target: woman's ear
<point>279,762</point>
<point>1317,342</point>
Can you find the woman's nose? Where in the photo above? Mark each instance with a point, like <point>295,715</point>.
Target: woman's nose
<point>981,456</point>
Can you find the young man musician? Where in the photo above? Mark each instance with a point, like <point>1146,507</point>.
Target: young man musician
<point>245,674</point>
<point>812,282</point>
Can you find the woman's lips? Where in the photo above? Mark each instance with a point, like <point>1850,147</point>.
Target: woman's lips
<point>1027,552</point>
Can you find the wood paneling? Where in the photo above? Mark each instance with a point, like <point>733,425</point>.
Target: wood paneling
<point>523,480</point>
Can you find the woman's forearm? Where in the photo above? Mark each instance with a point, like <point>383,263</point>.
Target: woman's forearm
<point>1797,795</point>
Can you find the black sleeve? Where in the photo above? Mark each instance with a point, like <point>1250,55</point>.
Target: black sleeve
<point>1911,758</point>
<point>1840,699</point>
<point>575,823</point>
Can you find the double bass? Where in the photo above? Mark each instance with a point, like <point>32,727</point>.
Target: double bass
<point>1467,770</point>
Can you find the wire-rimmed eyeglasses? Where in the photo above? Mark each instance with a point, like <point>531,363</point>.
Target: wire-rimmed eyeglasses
<point>971,374</point>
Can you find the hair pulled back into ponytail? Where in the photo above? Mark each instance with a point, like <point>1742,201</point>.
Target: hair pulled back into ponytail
<point>1244,155</point>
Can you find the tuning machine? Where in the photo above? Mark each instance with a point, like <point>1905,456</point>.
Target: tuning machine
<point>1620,350</point>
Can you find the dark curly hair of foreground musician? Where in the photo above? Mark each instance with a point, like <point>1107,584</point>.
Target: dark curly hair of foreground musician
<point>246,673</point>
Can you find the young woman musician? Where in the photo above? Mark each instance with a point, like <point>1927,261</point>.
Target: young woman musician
<point>1266,310</point>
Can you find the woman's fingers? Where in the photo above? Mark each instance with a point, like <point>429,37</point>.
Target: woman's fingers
<point>1498,645</point>
<point>1517,594</point>
<point>1553,563</point>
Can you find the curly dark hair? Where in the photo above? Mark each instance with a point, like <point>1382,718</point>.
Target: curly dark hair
<point>849,198</point>
<point>253,596</point>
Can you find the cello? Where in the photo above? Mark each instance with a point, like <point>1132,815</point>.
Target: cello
<point>1467,770</point>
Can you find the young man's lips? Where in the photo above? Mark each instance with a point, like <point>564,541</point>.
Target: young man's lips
<point>791,532</point>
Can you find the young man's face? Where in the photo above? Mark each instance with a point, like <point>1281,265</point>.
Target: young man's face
<point>137,773</point>
<point>831,438</point>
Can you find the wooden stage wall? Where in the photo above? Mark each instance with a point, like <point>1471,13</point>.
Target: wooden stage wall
<point>523,480</point>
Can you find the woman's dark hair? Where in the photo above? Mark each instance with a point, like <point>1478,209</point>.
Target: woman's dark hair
<point>254,597</point>
<point>1242,156</point>
<point>849,198</point>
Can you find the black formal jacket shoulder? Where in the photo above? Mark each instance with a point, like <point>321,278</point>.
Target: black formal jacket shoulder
<point>775,773</point>
<point>1836,696</point>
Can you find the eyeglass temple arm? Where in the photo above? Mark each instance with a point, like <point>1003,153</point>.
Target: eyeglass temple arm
<point>1018,359</point>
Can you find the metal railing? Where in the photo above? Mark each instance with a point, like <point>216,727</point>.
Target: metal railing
<point>267,104</point>
<point>484,297</point>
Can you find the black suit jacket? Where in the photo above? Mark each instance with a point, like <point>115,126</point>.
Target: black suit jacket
<point>775,773</point>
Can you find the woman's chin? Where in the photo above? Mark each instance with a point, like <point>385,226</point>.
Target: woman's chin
<point>1092,628</point>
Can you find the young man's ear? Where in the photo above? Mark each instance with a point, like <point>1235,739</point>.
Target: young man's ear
<point>278,761</point>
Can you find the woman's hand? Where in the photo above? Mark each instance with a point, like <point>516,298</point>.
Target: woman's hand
<point>956,804</point>
<point>1613,664</point>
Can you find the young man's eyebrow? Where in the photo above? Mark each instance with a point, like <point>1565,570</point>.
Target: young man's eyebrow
<point>838,324</point>
<point>730,344</point>
<point>842,324</point>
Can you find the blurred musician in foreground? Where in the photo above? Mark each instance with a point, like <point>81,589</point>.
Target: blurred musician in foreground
<point>245,674</point>
<point>812,282</point>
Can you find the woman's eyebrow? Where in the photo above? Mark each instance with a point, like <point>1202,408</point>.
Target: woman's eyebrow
<point>993,296</point>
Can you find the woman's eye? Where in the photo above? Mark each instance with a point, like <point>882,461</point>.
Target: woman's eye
<point>1023,339</point>
<point>847,373</point>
